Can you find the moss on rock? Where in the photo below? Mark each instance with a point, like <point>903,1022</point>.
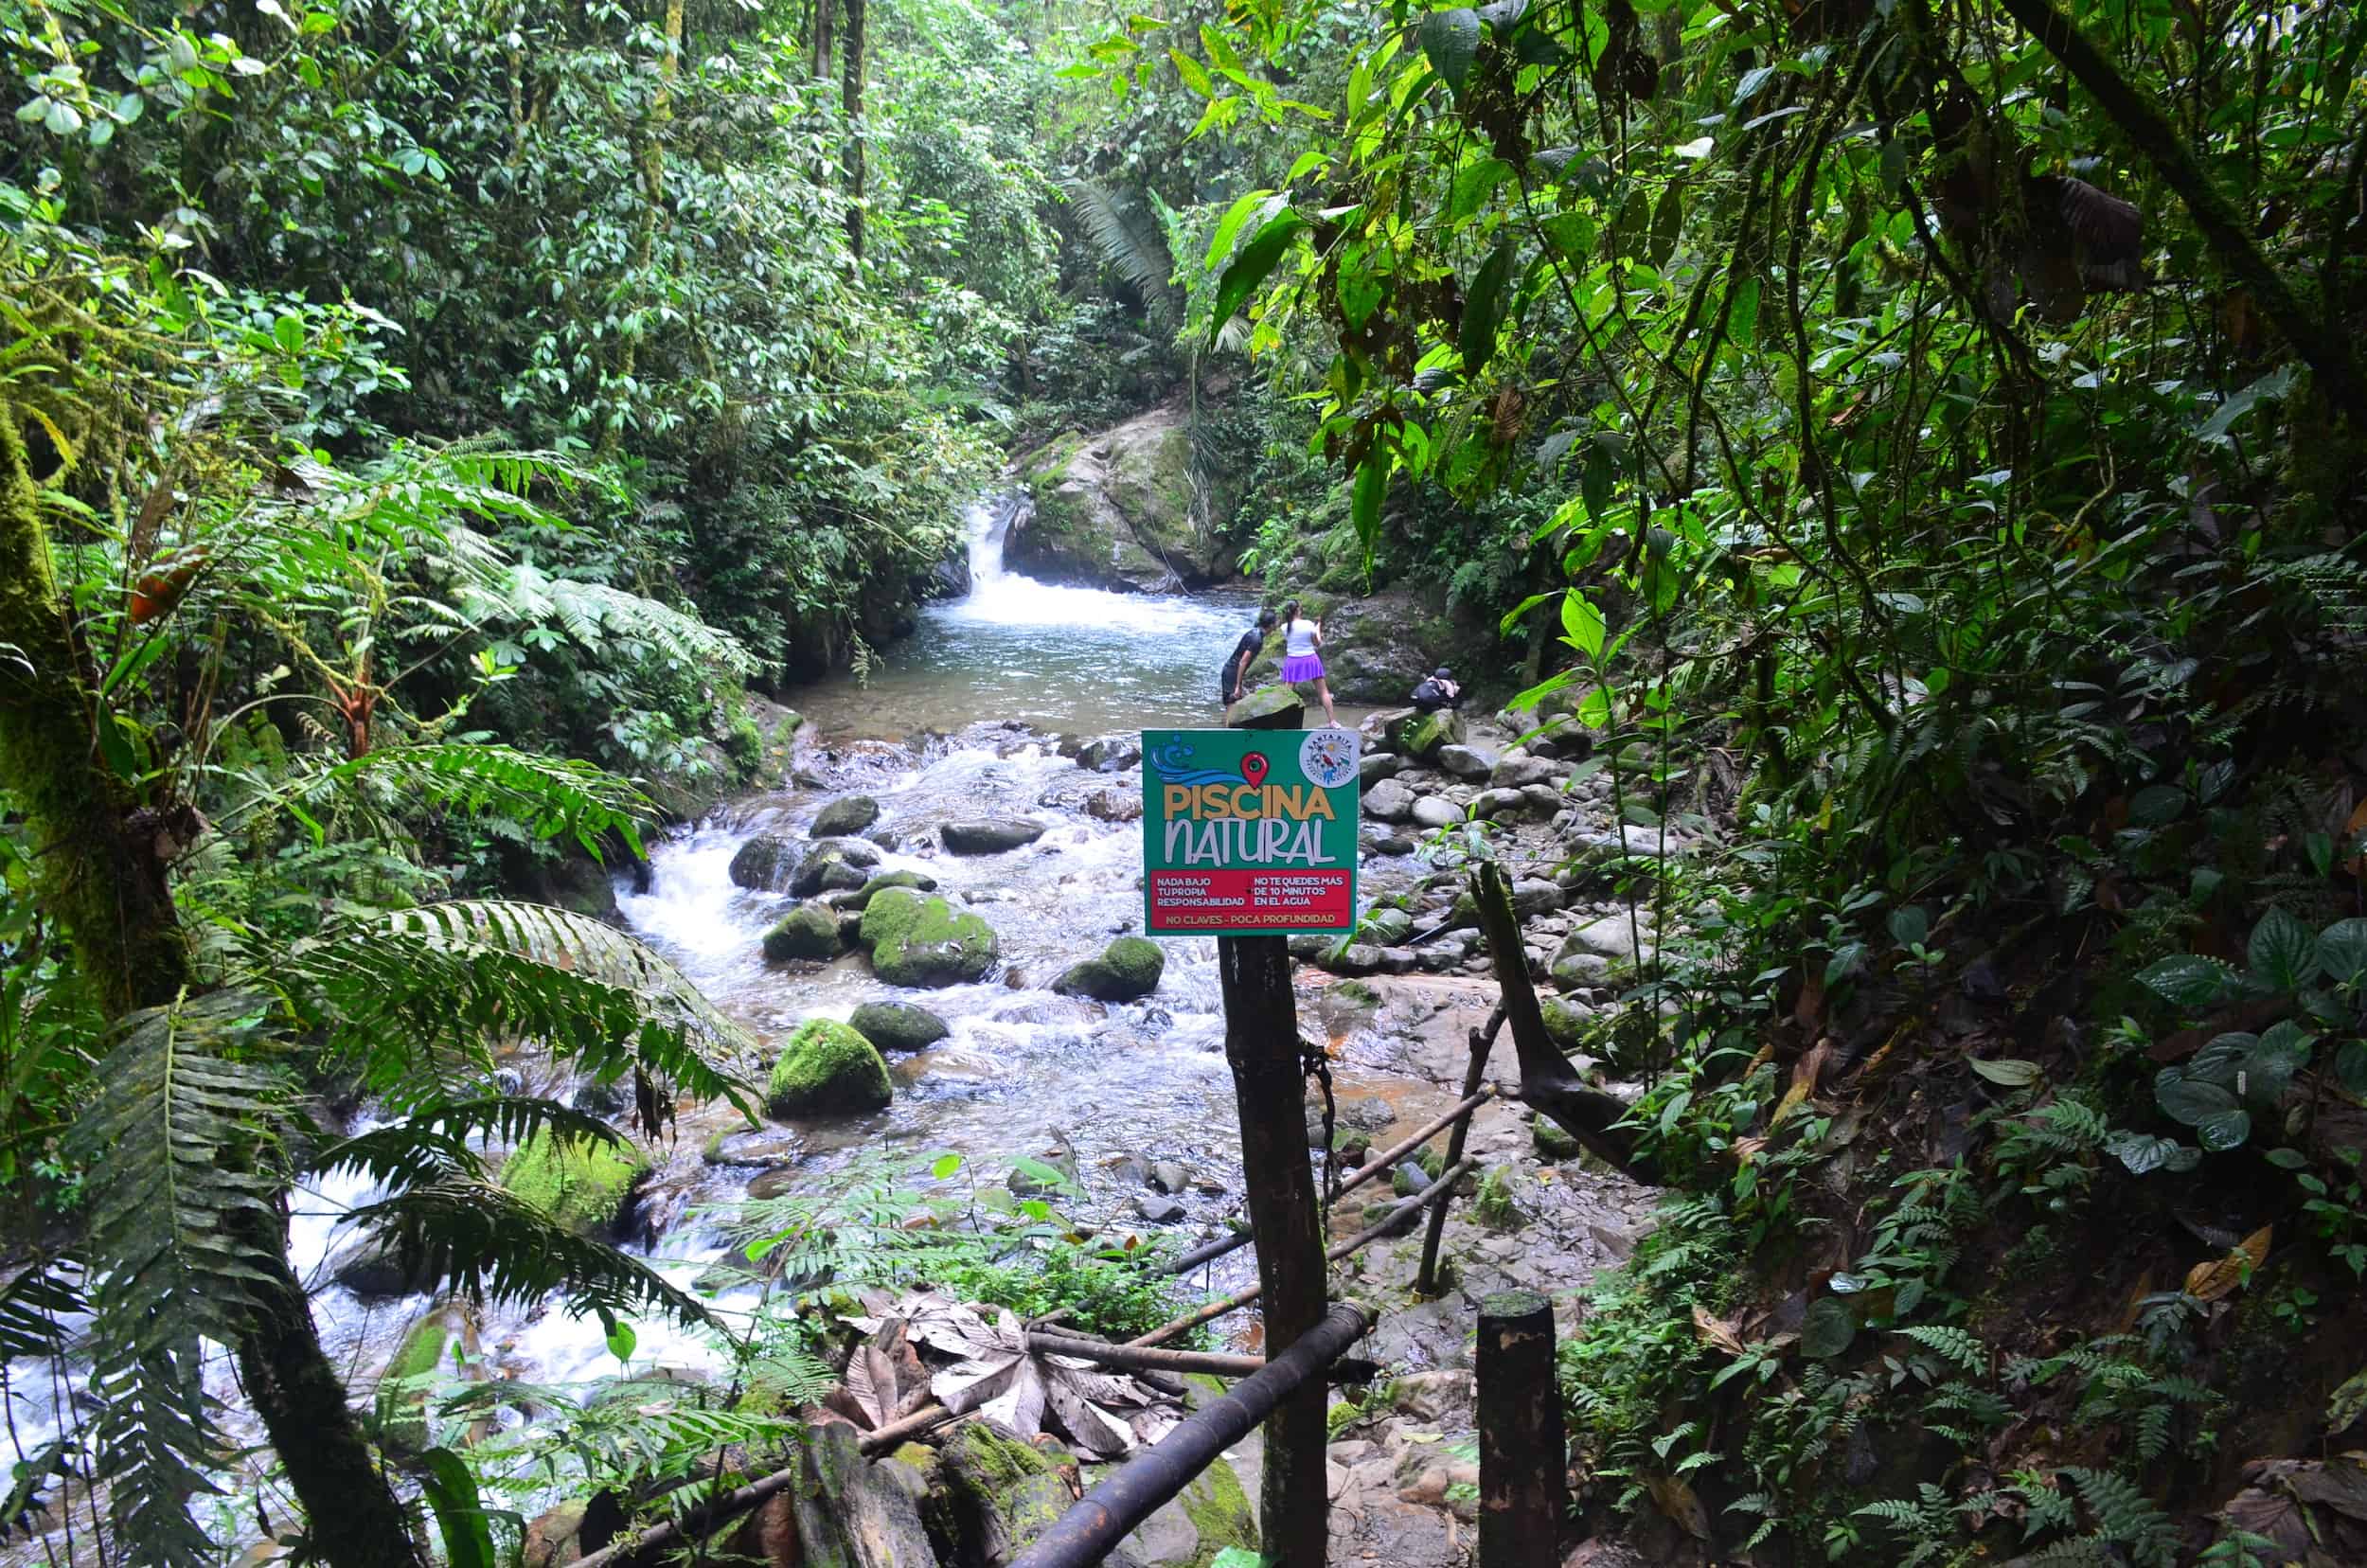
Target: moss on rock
<point>924,941</point>
<point>809,930</point>
<point>861,899</point>
<point>826,1069</point>
<point>582,1184</point>
<point>1127,970</point>
<point>898,1025</point>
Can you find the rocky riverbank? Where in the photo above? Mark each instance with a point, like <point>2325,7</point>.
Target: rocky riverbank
<point>902,907</point>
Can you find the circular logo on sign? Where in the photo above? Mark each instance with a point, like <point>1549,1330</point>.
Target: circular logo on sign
<point>1328,757</point>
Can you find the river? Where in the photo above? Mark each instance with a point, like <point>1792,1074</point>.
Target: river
<point>957,720</point>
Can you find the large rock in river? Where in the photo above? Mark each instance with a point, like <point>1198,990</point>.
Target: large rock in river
<point>846,816</point>
<point>1126,970</point>
<point>807,930</point>
<point>918,941</point>
<point>764,863</point>
<point>827,1069</point>
<point>838,864</point>
<point>1267,707</point>
<point>898,1025</point>
<point>1118,509</point>
<point>991,835</point>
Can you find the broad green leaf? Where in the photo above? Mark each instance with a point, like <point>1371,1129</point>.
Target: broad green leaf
<point>2274,384</point>
<point>1910,924</point>
<point>1372,484</point>
<point>1627,229</point>
<point>2188,981</point>
<point>1361,294</point>
<point>2350,1066</point>
<point>1571,234</point>
<point>1250,268</point>
<point>460,1516</point>
<point>946,1165</point>
<point>2188,1100</point>
<point>2283,954</point>
<point>1195,75</point>
<point>1828,1329</point>
<point>2009,1072</point>
<point>1450,39</point>
<point>1668,224</point>
<point>1229,227</point>
<point>2143,1153</point>
<point>1582,625</point>
<point>1742,313</point>
<point>2157,804</point>
<point>2343,952</point>
<point>1474,183</point>
<point>621,1340</point>
<point>1483,310</point>
<point>288,331</point>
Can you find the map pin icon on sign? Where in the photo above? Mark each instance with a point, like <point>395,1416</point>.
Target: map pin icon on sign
<point>1254,768</point>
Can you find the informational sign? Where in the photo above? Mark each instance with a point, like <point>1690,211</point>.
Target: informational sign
<point>1249,832</point>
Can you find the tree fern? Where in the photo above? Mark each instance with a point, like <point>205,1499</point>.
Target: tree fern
<point>181,1145</point>
<point>1131,245</point>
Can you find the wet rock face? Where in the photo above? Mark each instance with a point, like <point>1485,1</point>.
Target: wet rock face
<point>581,1185</point>
<point>990,835</point>
<point>1116,509</point>
<point>846,816</point>
<point>764,863</point>
<point>833,864</point>
<point>898,1025</point>
<point>809,930</point>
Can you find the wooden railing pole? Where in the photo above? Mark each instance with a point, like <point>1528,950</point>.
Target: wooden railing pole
<point>1524,1485</point>
<point>1483,1040</point>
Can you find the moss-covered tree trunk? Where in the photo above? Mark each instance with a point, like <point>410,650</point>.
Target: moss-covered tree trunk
<point>852,101</point>
<point>100,874</point>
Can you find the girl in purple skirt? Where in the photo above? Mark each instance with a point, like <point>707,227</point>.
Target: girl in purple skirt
<point>1302,656</point>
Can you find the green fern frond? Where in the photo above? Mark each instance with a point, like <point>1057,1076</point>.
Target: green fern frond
<point>1951,1344</point>
<point>180,1144</point>
<point>408,985</point>
<point>433,1144</point>
<point>2125,1515</point>
<point>1131,245</point>
<point>33,1302</point>
<point>480,1241</point>
<point>549,796</point>
<point>2084,1552</point>
<point>593,615</point>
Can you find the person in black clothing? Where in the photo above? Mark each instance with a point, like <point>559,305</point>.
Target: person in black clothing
<point>1244,653</point>
<point>1439,690</point>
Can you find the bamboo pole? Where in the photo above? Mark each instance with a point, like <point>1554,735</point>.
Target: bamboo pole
<point>1090,1530</point>
<point>1133,1357</point>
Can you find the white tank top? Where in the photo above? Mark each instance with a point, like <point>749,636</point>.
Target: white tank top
<point>1299,641</point>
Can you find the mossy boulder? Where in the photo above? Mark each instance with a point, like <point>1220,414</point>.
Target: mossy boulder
<point>898,1025</point>
<point>809,930</point>
<point>827,1069</point>
<point>1267,707</point>
<point>1000,1493</point>
<point>582,1184</point>
<point>1116,509</point>
<point>1426,734</point>
<point>1564,1023</point>
<point>846,815</point>
<point>924,941</point>
<point>991,835</point>
<point>764,863</point>
<point>1551,1142</point>
<point>1199,1524</point>
<point>1128,969</point>
<point>861,897</point>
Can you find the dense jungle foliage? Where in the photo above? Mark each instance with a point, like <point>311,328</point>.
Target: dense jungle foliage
<point>1920,442</point>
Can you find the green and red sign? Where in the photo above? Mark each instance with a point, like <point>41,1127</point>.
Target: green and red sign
<point>1249,832</point>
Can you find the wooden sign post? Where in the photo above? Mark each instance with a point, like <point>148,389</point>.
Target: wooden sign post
<point>1250,835</point>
